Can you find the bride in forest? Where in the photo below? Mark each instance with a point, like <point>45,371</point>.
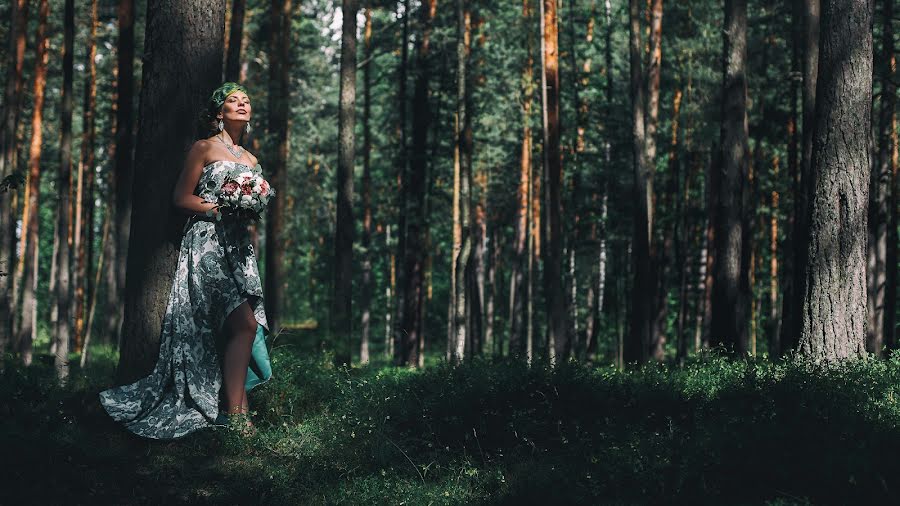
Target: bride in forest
<point>212,343</point>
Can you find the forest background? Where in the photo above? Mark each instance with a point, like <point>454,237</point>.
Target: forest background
<point>604,181</point>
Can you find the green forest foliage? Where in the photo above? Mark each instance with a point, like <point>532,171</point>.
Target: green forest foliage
<point>486,432</point>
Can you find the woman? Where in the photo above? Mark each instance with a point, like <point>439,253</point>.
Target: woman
<point>214,321</point>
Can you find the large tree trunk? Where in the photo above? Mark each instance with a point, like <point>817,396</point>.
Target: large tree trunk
<point>367,289</point>
<point>31,220</point>
<point>279,92</point>
<point>880,190</point>
<point>10,120</point>
<point>123,175</point>
<point>235,41</point>
<point>342,314</point>
<point>84,229</point>
<point>553,281</point>
<point>834,304</point>
<point>406,350</point>
<point>730,301</point>
<point>63,323</point>
<point>177,81</point>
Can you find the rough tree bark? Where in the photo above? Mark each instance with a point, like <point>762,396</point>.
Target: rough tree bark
<point>834,303</point>
<point>179,73</point>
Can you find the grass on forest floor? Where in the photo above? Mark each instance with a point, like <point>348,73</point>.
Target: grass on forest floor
<point>715,431</point>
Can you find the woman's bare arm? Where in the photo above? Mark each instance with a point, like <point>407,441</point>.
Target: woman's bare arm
<point>183,196</point>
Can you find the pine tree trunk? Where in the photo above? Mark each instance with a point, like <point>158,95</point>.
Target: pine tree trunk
<point>880,190</point>
<point>810,36</point>
<point>235,41</point>
<point>10,119</point>
<point>402,181</point>
<point>342,314</point>
<point>520,261</point>
<point>177,81</point>
<point>64,323</point>
<point>85,230</point>
<point>123,176</point>
<point>729,300</point>
<point>406,350</point>
<point>834,304</point>
<point>553,280</point>
<point>636,348</point>
<point>367,289</point>
<point>31,220</point>
<point>279,92</point>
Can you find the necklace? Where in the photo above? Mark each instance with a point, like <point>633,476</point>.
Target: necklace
<point>237,154</point>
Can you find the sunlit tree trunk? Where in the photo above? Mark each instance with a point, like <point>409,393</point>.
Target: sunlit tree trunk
<point>834,304</point>
<point>31,220</point>
<point>553,280</point>
<point>177,81</point>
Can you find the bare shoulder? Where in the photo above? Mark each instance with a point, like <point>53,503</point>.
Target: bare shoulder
<point>252,157</point>
<point>200,148</point>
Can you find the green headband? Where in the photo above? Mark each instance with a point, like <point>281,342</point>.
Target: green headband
<point>218,97</point>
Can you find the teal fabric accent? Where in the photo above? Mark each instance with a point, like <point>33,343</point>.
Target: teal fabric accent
<point>260,369</point>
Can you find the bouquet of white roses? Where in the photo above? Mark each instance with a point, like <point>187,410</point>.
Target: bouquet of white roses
<point>244,195</point>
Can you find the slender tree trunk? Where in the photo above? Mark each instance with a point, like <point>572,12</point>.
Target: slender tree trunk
<point>177,81</point>
<point>553,281</point>
<point>64,323</point>
<point>462,193</point>
<point>279,92</point>
<point>658,259</point>
<point>880,190</point>
<point>730,301</point>
<point>31,220</point>
<point>93,304</point>
<point>123,176</point>
<point>637,347</point>
<point>8,146</point>
<point>520,261</point>
<point>810,35</point>
<point>402,182</point>
<point>235,38</point>
<point>366,303</point>
<point>390,289</point>
<point>406,350</point>
<point>85,228</point>
<point>834,304</point>
<point>890,297</point>
<point>342,314</point>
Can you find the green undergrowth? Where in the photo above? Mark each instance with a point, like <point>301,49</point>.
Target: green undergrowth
<point>716,431</point>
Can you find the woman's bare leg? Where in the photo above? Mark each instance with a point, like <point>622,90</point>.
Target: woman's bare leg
<point>240,328</point>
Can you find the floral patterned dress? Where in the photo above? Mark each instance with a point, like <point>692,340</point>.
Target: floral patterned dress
<point>216,273</point>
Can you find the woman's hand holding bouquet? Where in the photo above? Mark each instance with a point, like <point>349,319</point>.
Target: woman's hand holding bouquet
<point>245,196</point>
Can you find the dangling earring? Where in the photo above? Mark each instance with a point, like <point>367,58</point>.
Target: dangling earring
<point>220,125</point>
<point>247,129</point>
